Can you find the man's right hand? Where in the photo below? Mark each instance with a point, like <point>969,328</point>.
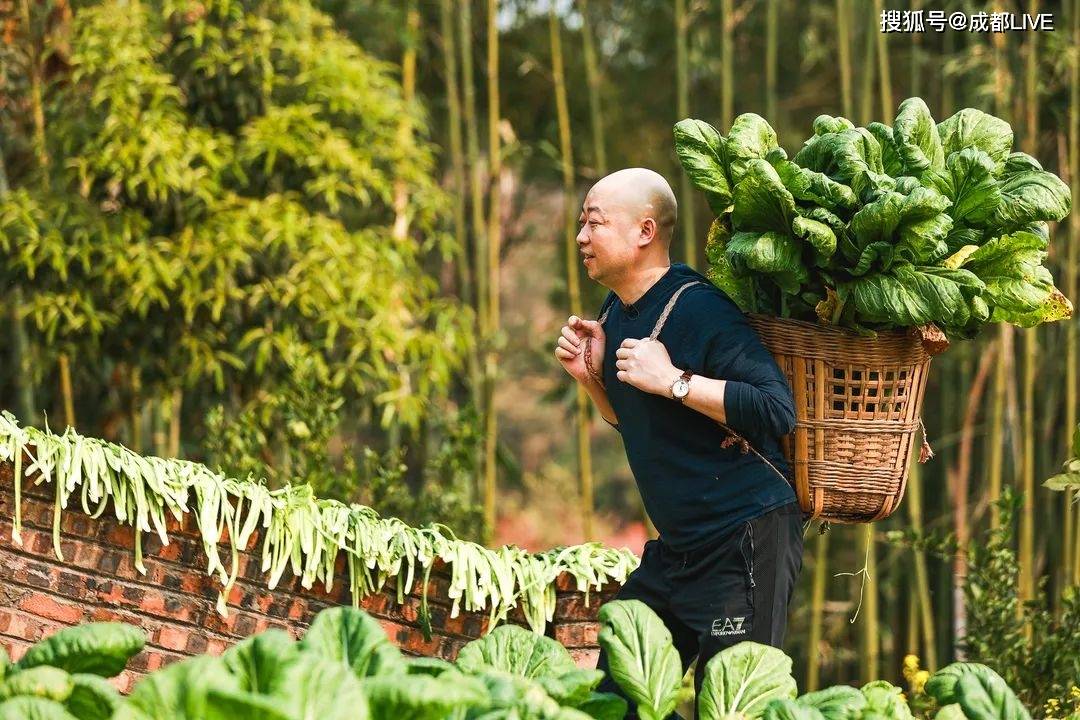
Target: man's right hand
<point>571,347</point>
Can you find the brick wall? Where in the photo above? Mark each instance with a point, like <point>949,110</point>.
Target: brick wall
<point>174,602</point>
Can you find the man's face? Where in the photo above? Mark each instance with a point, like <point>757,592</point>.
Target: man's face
<point>608,238</point>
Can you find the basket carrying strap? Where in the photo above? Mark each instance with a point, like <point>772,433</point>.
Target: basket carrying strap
<point>733,437</point>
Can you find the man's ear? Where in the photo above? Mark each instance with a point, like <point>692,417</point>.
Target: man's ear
<point>648,231</point>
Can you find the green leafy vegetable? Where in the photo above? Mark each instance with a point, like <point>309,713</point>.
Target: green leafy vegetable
<point>92,697</point>
<point>787,709</point>
<point>744,678</point>
<point>96,648</point>
<point>885,700</point>
<point>979,691</point>
<point>883,227</point>
<point>840,702</point>
<point>256,661</point>
<point>44,682</point>
<point>641,657</point>
<point>422,697</point>
<point>33,708</point>
<point>515,650</point>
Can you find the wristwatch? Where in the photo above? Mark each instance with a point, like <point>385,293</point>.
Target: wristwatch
<point>681,387</point>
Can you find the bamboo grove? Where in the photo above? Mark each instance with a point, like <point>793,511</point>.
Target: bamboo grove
<point>487,110</point>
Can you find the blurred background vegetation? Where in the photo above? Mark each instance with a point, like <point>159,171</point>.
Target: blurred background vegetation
<point>331,241</point>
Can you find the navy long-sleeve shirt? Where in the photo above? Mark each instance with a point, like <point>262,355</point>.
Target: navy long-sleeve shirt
<point>693,489</point>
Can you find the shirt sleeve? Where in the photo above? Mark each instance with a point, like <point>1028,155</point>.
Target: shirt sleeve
<point>757,397</point>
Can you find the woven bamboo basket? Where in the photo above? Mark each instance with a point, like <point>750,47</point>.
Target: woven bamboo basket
<point>857,410</point>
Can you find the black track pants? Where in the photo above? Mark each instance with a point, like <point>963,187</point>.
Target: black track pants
<point>736,589</point>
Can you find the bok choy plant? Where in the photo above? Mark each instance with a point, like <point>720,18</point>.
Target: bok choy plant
<point>880,227</point>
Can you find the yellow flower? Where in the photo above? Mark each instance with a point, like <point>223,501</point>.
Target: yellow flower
<point>918,681</point>
<point>911,666</point>
<point>1075,692</point>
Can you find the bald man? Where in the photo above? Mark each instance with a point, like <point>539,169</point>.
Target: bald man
<point>730,545</point>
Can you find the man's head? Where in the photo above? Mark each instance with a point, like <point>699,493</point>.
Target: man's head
<point>627,221</point>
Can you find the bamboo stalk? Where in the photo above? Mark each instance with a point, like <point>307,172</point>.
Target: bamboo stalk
<point>476,169</point>
<point>592,78</point>
<point>915,79</point>
<point>493,243</point>
<point>682,110</point>
<point>960,477</point>
<point>1072,357</point>
<point>997,422</point>
<point>457,166</point>
<point>65,389</point>
<point>772,22</point>
<point>948,92</point>
<point>1026,557</point>
<point>476,172</point>
<point>817,604</point>
<point>175,408</point>
<point>573,280</point>
<point>884,75</point>
<point>404,133</point>
<point>1027,519</point>
<point>866,94</point>
<point>456,144</point>
<point>727,62</point>
<point>37,105</point>
<point>871,632</point>
<point>135,408</point>
<point>843,42</point>
<point>922,579</point>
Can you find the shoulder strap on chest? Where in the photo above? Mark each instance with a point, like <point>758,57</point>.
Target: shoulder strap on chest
<point>669,307</point>
<point>663,316</point>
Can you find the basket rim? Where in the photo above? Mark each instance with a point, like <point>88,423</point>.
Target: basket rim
<point>906,333</point>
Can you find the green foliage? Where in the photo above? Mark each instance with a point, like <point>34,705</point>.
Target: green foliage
<point>881,227</point>
<point>344,667</point>
<point>1068,480</point>
<point>512,649</point>
<point>99,649</point>
<point>1041,668</point>
<point>641,657</point>
<point>354,639</point>
<point>743,679</point>
<point>285,433</point>
<point>836,703</point>
<point>979,691</point>
<point>219,213</point>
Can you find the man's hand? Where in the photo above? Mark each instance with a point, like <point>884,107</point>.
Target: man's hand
<point>571,347</point>
<point>646,365</point>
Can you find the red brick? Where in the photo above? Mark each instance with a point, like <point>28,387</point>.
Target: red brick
<point>44,606</point>
<point>172,638</point>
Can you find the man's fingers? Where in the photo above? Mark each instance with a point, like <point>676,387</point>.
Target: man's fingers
<point>569,346</point>
<point>622,352</point>
<point>630,342</point>
<point>622,375</point>
<point>570,335</point>
<point>564,354</point>
<point>591,326</point>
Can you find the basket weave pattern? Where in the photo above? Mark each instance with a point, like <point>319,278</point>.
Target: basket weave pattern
<point>857,404</point>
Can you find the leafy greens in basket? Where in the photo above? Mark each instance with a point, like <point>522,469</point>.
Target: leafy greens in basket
<point>880,227</point>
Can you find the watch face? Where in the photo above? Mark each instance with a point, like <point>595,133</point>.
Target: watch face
<point>680,388</point>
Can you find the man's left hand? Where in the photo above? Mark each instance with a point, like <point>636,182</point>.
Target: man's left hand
<point>646,365</point>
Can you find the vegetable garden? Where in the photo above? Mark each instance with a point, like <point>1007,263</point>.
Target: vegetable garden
<point>345,668</point>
